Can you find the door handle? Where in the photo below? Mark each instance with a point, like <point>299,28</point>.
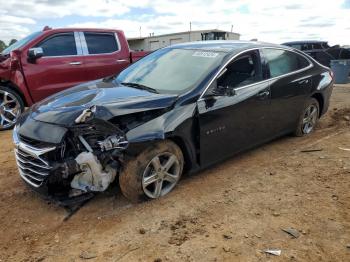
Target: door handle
<point>304,81</point>
<point>263,94</point>
<point>75,63</point>
<point>121,60</point>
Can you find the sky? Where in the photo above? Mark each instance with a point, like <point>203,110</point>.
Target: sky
<point>273,21</point>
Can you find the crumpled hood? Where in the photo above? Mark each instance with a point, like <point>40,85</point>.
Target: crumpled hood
<point>109,98</point>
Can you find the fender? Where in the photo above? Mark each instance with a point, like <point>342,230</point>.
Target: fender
<point>18,82</point>
<point>174,125</point>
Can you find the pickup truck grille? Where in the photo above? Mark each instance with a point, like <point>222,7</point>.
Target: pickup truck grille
<point>32,164</point>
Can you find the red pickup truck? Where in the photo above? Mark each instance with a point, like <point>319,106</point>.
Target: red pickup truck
<point>52,60</point>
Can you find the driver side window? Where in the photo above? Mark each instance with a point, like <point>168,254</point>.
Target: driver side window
<point>244,70</point>
<point>59,45</point>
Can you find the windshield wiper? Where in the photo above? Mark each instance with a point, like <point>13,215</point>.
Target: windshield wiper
<point>109,78</point>
<point>140,86</point>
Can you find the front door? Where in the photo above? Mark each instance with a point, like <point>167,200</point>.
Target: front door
<point>229,124</point>
<point>61,66</point>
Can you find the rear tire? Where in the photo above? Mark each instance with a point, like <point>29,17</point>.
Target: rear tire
<point>153,173</point>
<point>308,118</point>
<point>11,107</point>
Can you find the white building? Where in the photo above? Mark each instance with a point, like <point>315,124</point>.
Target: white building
<point>155,42</point>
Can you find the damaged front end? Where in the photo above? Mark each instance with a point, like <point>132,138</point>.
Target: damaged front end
<point>73,144</point>
<point>87,160</point>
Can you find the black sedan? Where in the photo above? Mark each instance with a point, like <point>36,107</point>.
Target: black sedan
<point>180,109</point>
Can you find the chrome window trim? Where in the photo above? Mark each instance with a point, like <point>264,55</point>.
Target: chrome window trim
<point>83,43</point>
<point>86,50</point>
<point>59,56</point>
<point>263,81</point>
<point>78,43</point>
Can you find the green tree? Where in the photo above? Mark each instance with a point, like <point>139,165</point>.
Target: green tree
<point>12,41</point>
<point>2,45</point>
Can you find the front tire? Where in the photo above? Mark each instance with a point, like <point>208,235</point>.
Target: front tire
<point>308,118</point>
<point>11,107</point>
<point>153,173</point>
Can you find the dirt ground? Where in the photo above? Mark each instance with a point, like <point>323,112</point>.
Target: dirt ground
<point>230,212</point>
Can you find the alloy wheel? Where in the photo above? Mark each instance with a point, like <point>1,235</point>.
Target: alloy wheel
<point>161,175</point>
<point>310,119</point>
<point>10,109</point>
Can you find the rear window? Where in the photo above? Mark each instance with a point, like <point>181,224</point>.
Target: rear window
<point>59,45</point>
<point>98,43</point>
<point>296,46</point>
<point>282,62</point>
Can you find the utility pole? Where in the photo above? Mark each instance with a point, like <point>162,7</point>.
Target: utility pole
<point>140,32</point>
<point>231,28</point>
<point>189,34</point>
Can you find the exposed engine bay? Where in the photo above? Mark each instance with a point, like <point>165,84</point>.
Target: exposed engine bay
<point>88,160</point>
<point>100,145</point>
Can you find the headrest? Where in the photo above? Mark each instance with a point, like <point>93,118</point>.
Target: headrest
<point>242,65</point>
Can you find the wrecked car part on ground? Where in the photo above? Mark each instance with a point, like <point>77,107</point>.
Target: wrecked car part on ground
<point>182,108</point>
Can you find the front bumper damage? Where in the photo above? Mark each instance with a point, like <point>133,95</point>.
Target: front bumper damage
<point>86,161</point>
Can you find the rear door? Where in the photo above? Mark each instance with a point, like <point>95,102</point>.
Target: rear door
<point>290,84</point>
<point>103,56</point>
<point>61,66</point>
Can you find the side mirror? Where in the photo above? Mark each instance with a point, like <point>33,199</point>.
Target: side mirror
<point>35,53</point>
<point>223,91</point>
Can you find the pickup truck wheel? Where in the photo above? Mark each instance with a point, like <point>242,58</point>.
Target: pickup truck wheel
<point>153,173</point>
<point>11,107</point>
<point>308,118</point>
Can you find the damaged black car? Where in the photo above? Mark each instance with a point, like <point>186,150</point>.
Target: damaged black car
<point>179,109</point>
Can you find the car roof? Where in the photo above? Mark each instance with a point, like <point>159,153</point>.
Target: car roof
<point>226,46</point>
<point>304,42</point>
<point>62,30</point>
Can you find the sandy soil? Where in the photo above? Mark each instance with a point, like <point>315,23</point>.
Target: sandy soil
<point>230,212</point>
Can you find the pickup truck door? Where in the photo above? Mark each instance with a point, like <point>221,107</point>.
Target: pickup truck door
<point>104,55</point>
<point>60,67</point>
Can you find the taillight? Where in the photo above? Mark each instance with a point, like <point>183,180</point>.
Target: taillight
<point>14,62</point>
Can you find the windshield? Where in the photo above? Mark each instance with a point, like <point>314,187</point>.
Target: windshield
<point>172,70</point>
<point>20,43</point>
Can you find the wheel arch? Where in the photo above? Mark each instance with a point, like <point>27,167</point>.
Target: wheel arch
<point>136,148</point>
<point>15,88</point>
<point>320,99</point>
<point>180,142</point>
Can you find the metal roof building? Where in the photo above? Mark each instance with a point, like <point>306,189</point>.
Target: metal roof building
<point>152,42</point>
